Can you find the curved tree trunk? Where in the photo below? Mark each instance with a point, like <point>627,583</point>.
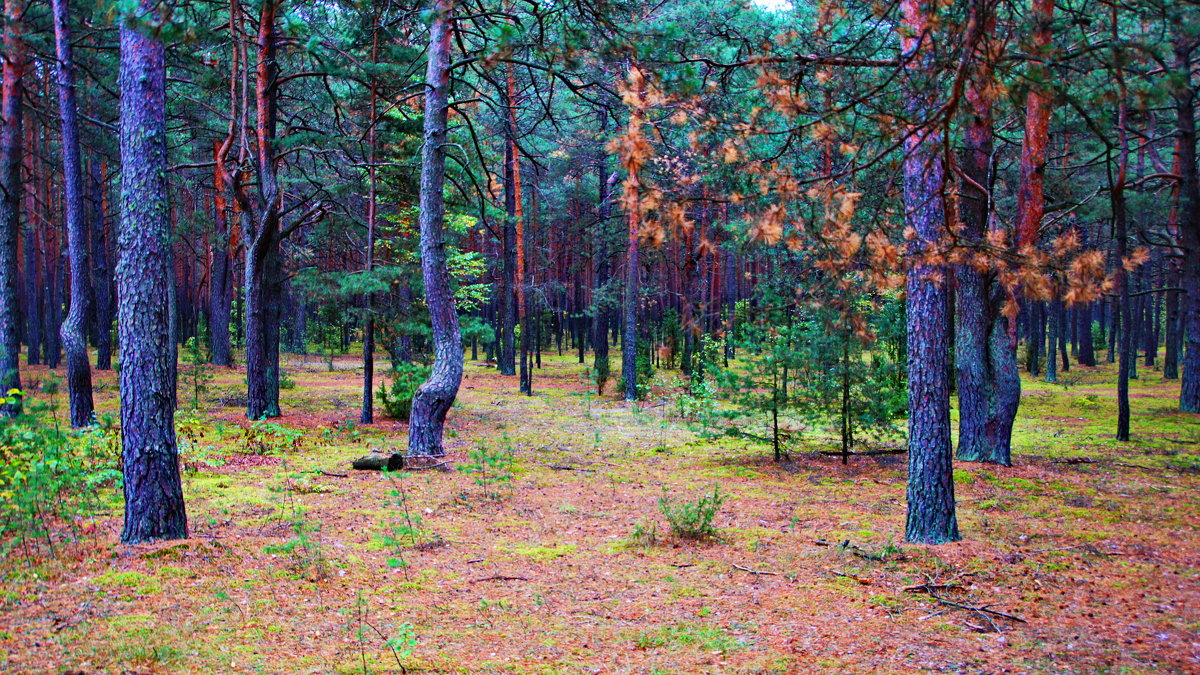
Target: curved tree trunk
<point>79,373</point>
<point>435,396</point>
<point>154,507</point>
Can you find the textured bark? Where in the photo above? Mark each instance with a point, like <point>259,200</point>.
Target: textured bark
<point>74,339</point>
<point>1189,229</point>
<point>435,396</point>
<point>629,305</point>
<point>10,196</point>
<point>931,516</point>
<point>154,507</point>
<point>367,415</point>
<point>105,310</point>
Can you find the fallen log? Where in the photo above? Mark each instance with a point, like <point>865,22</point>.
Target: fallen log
<point>378,461</point>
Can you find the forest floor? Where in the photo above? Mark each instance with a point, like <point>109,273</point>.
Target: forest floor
<point>1084,557</point>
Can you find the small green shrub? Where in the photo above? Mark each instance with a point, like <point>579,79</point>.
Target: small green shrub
<point>268,438</point>
<point>397,401</point>
<point>50,478</point>
<point>492,468</point>
<point>195,371</point>
<point>692,519</point>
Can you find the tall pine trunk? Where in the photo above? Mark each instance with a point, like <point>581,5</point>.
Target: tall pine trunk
<point>11,140</point>
<point>154,507</point>
<point>1189,227</point>
<point>931,516</point>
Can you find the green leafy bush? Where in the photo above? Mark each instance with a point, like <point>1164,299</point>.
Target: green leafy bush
<point>692,519</point>
<point>397,400</point>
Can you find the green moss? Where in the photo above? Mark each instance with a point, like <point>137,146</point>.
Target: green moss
<point>128,585</point>
<point>543,553</point>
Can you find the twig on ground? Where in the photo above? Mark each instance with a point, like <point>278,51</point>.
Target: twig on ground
<point>756,572</point>
<point>982,609</point>
<point>499,577</point>
<point>931,587</point>
<point>566,467</point>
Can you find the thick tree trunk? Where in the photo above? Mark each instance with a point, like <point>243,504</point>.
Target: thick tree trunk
<point>79,373</point>
<point>1189,230</point>
<point>10,199</point>
<point>981,355</point>
<point>435,396</point>
<point>262,238</point>
<point>931,515</point>
<point>154,507</point>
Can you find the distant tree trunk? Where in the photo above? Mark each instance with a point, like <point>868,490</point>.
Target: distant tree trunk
<point>220,282</point>
<point>1037,337</point>
<point>506,359</point>
<point>101,273</point>
<point>33,314</point>
<point>1053,331</point>
<point>154,507</point>
<point>604,187</point>
<point>1087,352</point>
<point>931,516</point>
<point>11,139</point>
<point>434,398</point>
<point>53,313</point>
<point>74,338</point>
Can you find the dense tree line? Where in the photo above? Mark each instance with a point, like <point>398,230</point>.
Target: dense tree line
<point>519,177</point>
